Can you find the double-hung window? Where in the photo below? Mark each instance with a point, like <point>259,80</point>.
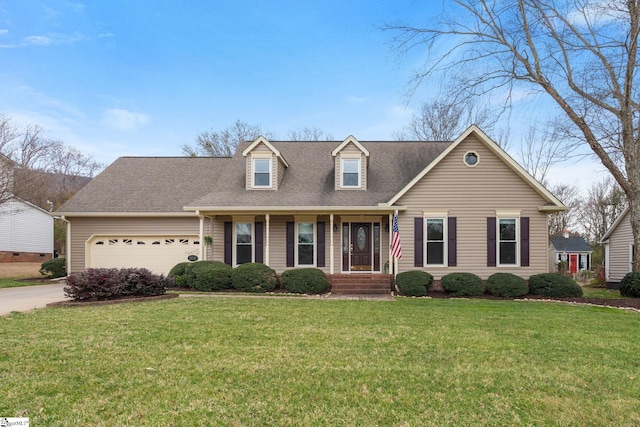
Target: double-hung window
<point>306,243</point>
<point>244,242</point>
<point>435,241</point>
<point>508,241</point>
<point>351,173</point>
<point>262,173</point>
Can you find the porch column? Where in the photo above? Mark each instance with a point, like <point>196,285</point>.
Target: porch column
<point>331,244</point>
<point>266,246</point>
<point>201,236</point>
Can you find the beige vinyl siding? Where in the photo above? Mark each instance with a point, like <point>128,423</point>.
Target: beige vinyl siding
<point>471,194</point>
<point>277,241</point>
<point>619,242</point>
<point>260,151</point>
<point>83,228</point>
<point>279,172</point>
<point>351,151</point>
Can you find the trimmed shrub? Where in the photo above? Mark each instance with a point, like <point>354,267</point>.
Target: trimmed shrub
<point>177,272</point>
<point>630,285</point>
<point>305,281</point>
<point>506,285</point>
<point>97,284</point>
<point>414,283</point>
<point>462,284</point>
<point>207,276</point>
<point>553,285</point>
<point>55,267</point>
<point>254,277</point>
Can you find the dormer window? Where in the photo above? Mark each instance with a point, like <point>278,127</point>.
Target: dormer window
<point>351,173</point>
<point>262,173</point>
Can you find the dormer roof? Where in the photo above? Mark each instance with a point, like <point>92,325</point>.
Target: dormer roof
<point>265,141</point>
<point>350,140</point>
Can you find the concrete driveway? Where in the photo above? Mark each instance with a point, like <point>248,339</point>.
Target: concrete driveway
<point>26,298</point>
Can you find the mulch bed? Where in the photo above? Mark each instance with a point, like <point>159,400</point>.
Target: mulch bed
<point>632,303</point>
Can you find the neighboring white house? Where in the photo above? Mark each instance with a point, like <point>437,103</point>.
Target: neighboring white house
<point>26,232</point>
<point>618,249</point>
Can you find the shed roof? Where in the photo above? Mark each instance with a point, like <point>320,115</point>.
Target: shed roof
<point>570,244</point>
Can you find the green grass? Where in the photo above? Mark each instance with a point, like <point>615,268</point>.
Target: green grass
<point>318,362</point>
<point>14,283</point>
<point>602,293</point>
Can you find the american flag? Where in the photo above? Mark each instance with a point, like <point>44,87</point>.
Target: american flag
<point>396,247</point>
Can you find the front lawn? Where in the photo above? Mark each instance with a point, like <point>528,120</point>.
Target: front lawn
<point>310,362</point>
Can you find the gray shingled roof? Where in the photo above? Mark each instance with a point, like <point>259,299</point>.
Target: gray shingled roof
<point>310,178</point>
<point>162,185</point>
<point>570,244</point>
<point>147,184</point>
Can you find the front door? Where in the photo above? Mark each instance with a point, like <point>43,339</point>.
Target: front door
<point>361,247</point>
<point>573,263</point>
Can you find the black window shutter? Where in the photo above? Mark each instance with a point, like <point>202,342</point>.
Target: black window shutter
<point>291,231</point>
<point>452,244</point>
<point>524,241</point>
<point>259,245</point>
<point>320,262</point>
<point>491,241</point>
<point>418,236</point>
<point>228,243</point>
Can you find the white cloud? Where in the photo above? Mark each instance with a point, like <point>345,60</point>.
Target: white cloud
<point>38,40</point>
<point>122,119</point>
<point>3,31</point>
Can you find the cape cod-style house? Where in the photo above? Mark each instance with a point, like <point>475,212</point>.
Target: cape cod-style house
<point>462,205</point>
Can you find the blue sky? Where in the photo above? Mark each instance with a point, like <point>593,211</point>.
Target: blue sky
<point>119,78</point>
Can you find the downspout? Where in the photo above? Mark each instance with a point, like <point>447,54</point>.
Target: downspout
<point>67,245</point>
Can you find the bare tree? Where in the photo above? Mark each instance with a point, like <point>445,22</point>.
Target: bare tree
<point>309,134</point>
<point>565,220</point>
<point>223,143</point>
<point>37,168</point>
<point>445,119</point>
<point>603,203</point>
<point>580,54</point>
<point>541,149</point>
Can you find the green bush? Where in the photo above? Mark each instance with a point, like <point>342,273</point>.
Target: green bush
<point>506,285</point>
<point>254,277</point>
<point>462,284</point>
<point>305,281</point>
<point>414,283</point>
<point>207,276</point>
<point>55,267</point>
<point>630,285</point>
<point>553,285</point>
<point>177,272</point>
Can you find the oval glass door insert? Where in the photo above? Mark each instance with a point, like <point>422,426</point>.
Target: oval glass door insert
<point>361,238</point>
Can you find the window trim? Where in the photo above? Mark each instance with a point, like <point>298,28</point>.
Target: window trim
<point>253,172</point>
<point>464,158</point>
<point>517,242</point>
<point>350,159</point>
<point>314,243</point>
<point>235,241</point>
<point>445,239</point>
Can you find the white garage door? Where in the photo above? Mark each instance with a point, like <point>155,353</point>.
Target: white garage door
<point>155,253</point>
